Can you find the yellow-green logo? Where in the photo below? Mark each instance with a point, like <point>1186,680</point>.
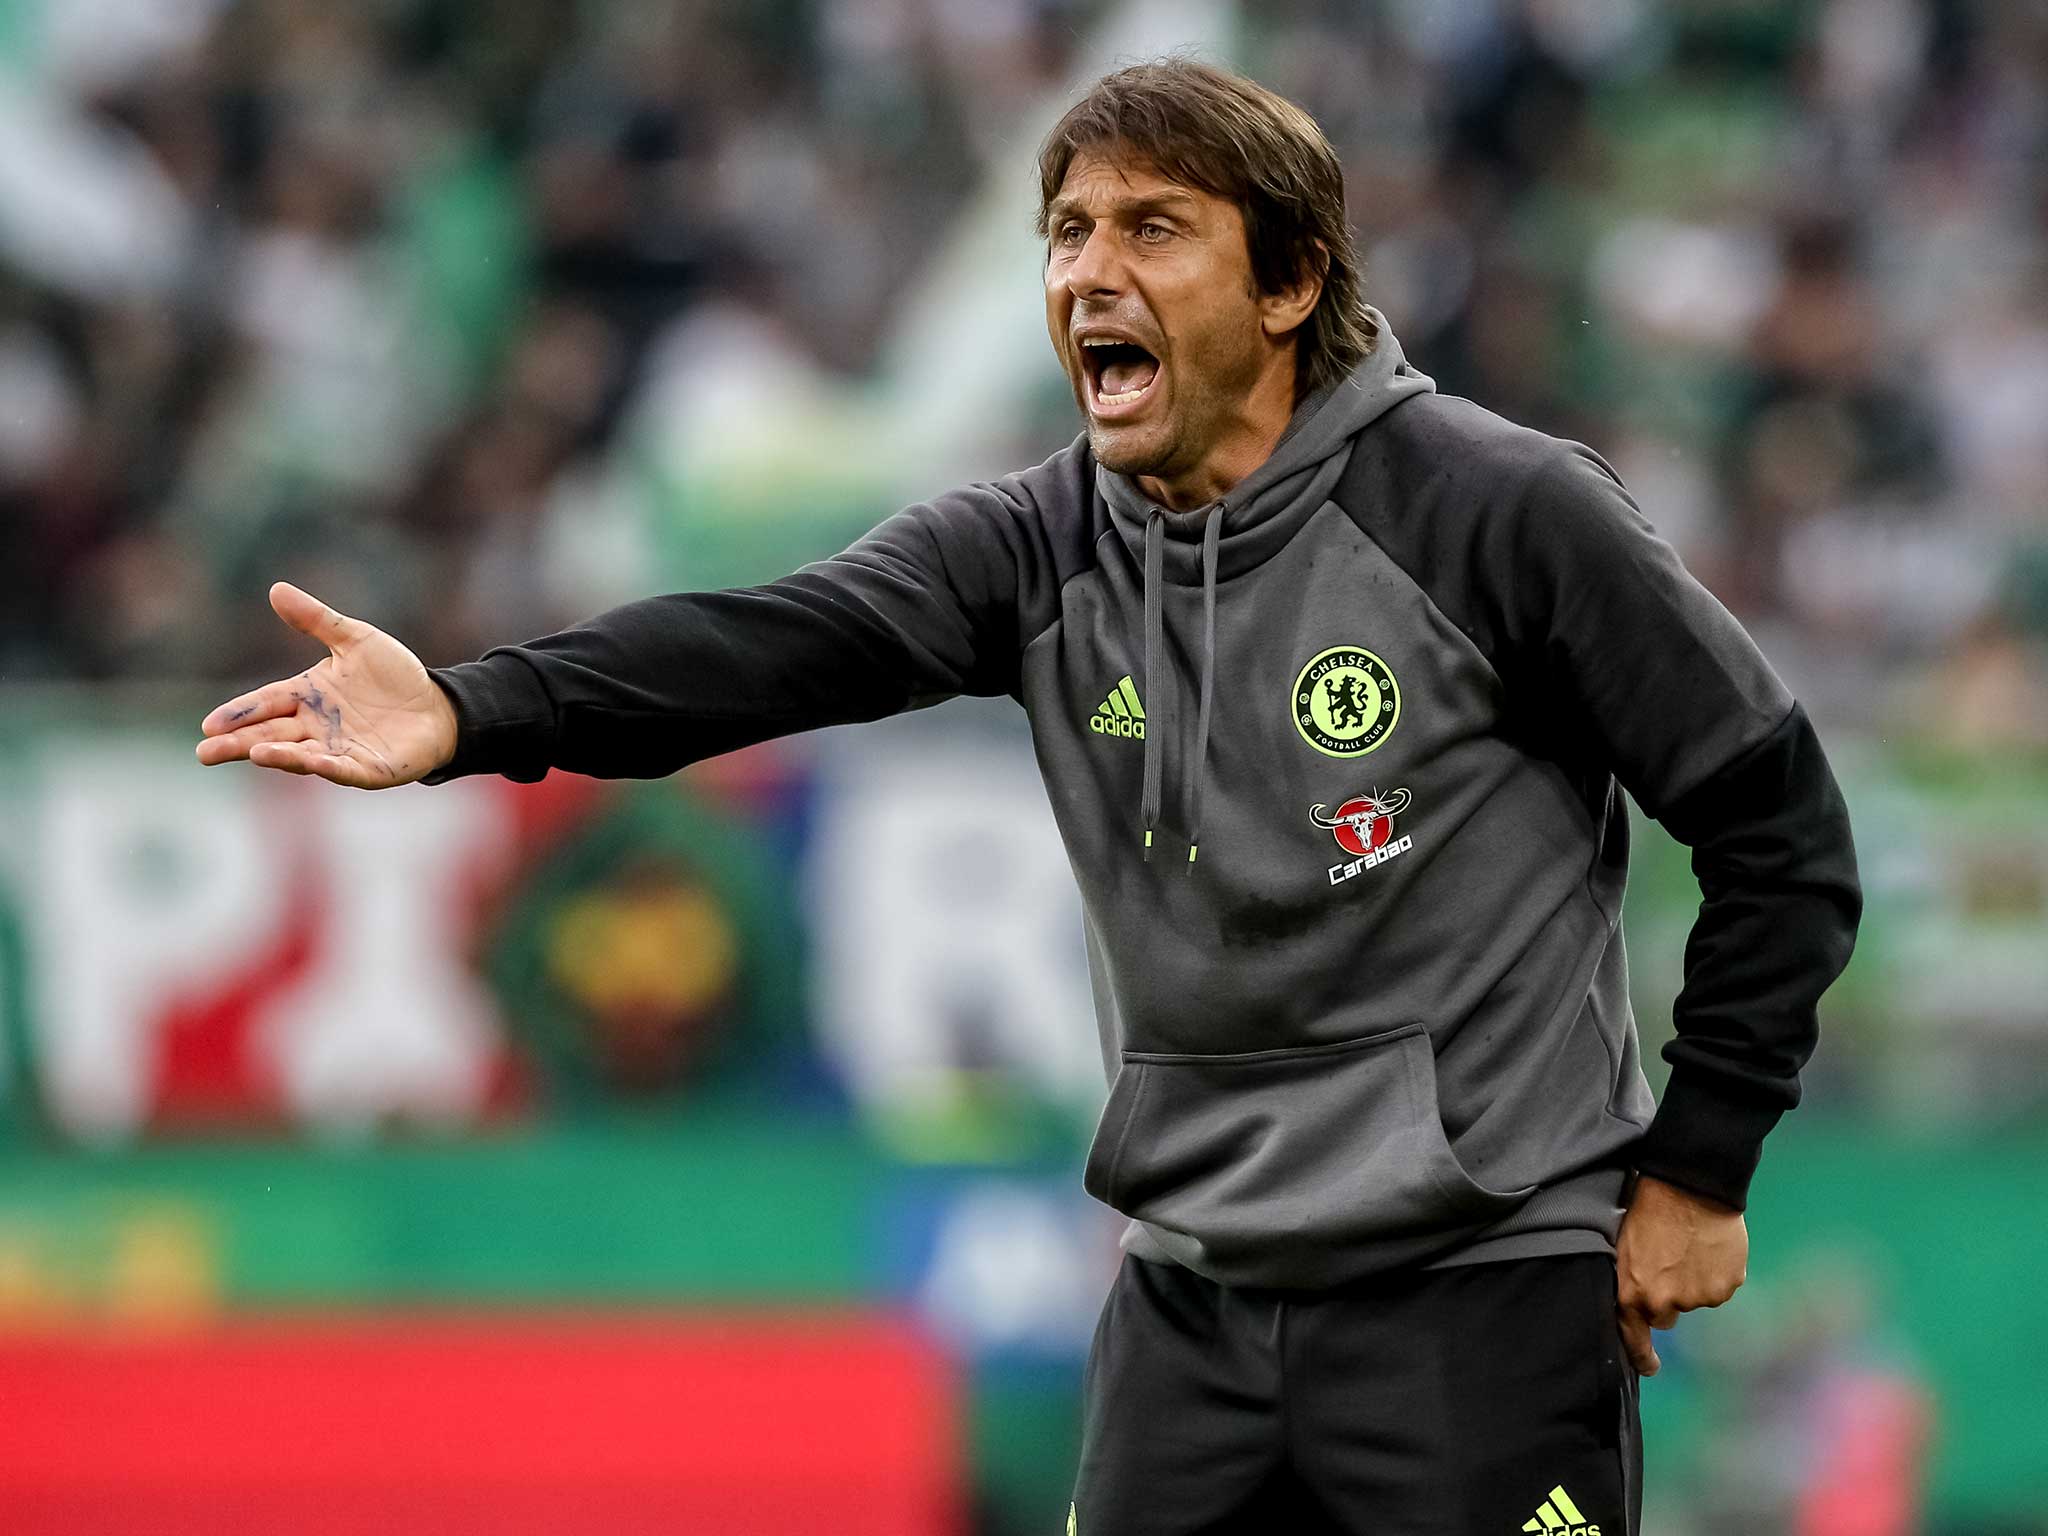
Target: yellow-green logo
<point>1346,702</point>
<point>1070,1520</point>
<point>1559,1516</point>
<point>1120,714</point>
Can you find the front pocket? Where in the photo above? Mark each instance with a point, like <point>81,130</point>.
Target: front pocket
<point>1300,1166</point>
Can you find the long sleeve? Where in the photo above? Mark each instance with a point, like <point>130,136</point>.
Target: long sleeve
<point>1664,688</point>
<point>1780,902</point>
<point>924,607</point>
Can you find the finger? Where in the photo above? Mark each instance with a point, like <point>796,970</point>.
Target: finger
<point>234,746</point>
<point>265,703</point>
<point>309,616</point>
<point>304,758</point>
<point>1635,1338</point>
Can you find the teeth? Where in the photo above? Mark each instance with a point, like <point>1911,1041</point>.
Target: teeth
<point>1102,396</point>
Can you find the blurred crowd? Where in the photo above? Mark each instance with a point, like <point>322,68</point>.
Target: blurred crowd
<point>361,292</point>
<point>364,292</point>
<point>1786,265</point>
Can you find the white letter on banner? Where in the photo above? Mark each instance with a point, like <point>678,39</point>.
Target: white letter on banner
<point>391,1020</point>
<point>948,927</point>
<point>150,875</point>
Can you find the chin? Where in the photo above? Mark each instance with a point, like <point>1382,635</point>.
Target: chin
<point>1129,451</point>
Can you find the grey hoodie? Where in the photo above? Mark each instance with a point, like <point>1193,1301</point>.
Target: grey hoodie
<point>1338,763</point>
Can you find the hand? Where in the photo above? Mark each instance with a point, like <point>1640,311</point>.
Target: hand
<point>368,716</point>
<point>1677,1251</point>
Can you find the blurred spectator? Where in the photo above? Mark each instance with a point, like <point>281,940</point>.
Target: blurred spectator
<point>1826,1427</point>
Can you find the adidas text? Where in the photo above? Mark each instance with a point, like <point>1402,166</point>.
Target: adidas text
<point>1121,714</point>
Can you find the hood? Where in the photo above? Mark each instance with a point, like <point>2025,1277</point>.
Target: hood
<point>1266,508</point>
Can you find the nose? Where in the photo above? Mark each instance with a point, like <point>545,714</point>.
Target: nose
<point>1097,269</point>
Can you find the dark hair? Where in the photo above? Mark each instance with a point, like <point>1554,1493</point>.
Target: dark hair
<point>1232,138</point>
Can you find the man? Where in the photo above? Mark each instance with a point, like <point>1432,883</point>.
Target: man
<point>1368,662</point>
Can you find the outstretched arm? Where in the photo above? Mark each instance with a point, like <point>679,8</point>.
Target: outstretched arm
<point>922,608</point>
<point>919,610</point>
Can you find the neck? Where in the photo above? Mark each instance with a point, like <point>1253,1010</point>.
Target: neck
<point>1245,439</point>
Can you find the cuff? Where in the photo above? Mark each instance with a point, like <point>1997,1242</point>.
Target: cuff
<point>504,720</point>
<point>1704,1140</point>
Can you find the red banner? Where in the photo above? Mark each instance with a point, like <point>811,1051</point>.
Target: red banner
<point>748,1425</point>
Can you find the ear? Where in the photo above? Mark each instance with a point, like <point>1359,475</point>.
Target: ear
<point>1282,312</point>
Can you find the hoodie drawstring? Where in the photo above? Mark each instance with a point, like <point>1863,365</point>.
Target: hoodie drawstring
<point>1211,535</point>
<point>1155,672</point>
<point>1155,675</point>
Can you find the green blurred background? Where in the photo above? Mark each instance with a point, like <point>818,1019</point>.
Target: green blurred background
<point>474,319</point>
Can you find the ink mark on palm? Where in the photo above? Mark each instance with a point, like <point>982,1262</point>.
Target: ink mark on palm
<point>330,716</point>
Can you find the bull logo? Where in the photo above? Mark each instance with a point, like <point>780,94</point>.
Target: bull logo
<point>1364,822</point>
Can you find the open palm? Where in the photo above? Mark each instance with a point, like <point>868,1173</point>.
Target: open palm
<point>367,716</point>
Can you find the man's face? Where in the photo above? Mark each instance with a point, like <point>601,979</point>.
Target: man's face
<point>1151,308</point>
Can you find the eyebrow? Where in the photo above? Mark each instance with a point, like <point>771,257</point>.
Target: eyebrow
<point>1150,202</point>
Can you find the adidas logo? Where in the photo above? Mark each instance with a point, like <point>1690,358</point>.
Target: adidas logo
<point>1559,1516</point>
<point>1120,714</point>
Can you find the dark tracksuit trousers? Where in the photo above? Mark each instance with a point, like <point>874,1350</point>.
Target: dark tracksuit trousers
<point>1427,1402</point>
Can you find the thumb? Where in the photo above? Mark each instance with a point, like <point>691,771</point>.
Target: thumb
<point>1635,1337</point>
<point>309,616</point>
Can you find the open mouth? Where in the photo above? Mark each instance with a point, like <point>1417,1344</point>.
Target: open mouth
<point>1120,374</point>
